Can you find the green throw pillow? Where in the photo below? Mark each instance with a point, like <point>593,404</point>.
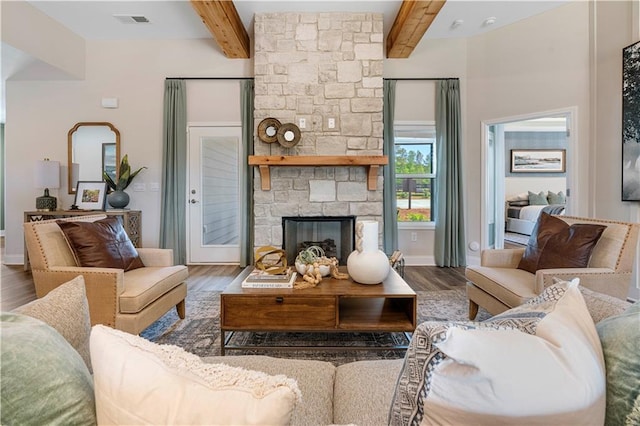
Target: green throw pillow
<point>539,199</point>
<point>620,338</point>
<point>44,380</point>
<point>558,198</point>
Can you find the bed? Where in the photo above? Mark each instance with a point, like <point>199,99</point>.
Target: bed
<point>521,217</point>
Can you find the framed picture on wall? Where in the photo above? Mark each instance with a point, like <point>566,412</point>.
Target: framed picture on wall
<point>538,161</point>
<point>631,122</point>
<point>91,195</point>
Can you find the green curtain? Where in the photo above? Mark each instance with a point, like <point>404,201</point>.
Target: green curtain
<point>246,220</point>
<point>390,211</point>
<point>173,232</point>
<point>450,238</point>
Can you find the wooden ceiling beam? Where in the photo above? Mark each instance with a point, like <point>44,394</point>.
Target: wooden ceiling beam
<point>224,23</point>
<point>412,21</point>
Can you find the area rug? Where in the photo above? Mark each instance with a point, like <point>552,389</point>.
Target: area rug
<point>512,237</point>
<point>199,332</point>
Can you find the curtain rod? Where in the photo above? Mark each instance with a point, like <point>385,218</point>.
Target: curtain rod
<point>421,79</point>
<point>209,78</point>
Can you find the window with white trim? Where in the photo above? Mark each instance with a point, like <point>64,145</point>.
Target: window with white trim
<point>415,157</point>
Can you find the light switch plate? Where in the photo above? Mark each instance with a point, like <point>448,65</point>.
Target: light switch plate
<point>139,187</point>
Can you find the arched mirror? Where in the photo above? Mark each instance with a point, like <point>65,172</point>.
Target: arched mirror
<point>93,148</point>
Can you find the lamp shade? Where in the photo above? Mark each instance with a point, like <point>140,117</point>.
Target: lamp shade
<point>75,175</point>
<point>47,174</point>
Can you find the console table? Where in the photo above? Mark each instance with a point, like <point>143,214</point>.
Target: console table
<point>334,305</point>
<point>131,221</point>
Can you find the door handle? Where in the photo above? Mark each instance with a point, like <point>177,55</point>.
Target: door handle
<point>193,201</point>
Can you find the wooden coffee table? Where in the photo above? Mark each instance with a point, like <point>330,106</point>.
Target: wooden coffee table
<point>332,306</point>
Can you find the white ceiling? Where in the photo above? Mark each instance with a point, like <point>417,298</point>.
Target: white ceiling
<point>178,20</point>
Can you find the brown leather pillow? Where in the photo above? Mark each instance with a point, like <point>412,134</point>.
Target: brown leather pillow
<point>555,244</point>
<point>101,244</point>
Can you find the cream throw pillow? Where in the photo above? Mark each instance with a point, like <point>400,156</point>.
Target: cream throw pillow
<point>139,382</point>
<point>537,364</point>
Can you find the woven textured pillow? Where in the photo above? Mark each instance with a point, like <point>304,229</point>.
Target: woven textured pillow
<point>139,382</point>
<point>537,364</point>
<point>66,309</point>
<point>44,380</point>
<point>101,244</point>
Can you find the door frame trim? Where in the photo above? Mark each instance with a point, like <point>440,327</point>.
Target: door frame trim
<point>572,164</point>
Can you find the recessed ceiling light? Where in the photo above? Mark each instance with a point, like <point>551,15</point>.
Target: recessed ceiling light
<point>455,24</point>
<point>489,21</point>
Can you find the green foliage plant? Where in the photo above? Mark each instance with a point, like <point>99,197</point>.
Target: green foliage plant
<point>125,176</point>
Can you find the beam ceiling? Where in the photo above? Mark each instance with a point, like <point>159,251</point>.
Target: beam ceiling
<point>223,21</point>
<point>412,21</point>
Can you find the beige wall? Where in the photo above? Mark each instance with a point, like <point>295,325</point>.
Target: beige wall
<point>40,113</point>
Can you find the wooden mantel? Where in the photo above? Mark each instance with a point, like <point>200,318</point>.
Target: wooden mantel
<point>371,162</point>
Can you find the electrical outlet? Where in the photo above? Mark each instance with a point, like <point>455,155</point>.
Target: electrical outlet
<point>414,236</point>
<point>331,123</point>
<point>302,123</point>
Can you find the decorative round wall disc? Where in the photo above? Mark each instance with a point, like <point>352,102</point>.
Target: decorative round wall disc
<point>268,130</point>
<point>288,135</point>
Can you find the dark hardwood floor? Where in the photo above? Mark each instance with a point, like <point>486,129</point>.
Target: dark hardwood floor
<point>17,284</point>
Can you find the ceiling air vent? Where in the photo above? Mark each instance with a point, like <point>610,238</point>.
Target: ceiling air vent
<point>132,19</point>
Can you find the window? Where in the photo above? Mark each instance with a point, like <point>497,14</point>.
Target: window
<point>415,152</point>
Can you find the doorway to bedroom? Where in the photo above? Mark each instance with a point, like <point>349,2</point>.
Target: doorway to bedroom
<point>529,168</point>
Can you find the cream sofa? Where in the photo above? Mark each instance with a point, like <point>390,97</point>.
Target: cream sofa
<point>358,393</point>
<point>497,284</point>
<point>128,301</point>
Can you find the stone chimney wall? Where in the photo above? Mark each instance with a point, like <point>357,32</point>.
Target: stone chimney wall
<point>316,67</point>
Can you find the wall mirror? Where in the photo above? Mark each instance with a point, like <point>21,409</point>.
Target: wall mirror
<point>93,147</point>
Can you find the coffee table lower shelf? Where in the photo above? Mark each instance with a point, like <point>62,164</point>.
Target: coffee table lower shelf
<point>225,338</point>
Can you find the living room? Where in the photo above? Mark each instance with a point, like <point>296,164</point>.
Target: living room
<point>569,56</point>
<point>543,63</point>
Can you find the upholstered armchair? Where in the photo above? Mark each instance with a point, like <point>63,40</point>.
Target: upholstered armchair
<point>498,285</point>
<point>129,301</point>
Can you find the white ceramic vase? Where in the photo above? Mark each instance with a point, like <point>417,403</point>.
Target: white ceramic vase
<point>367,264</point>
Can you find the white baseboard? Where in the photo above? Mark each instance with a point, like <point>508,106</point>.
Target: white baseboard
<point>13,259</point>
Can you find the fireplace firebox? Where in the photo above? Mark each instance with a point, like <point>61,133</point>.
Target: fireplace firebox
<point>335,234</point>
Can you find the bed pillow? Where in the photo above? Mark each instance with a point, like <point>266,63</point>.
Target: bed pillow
<point>620,338</point>
<point>139,382</point>
<point>539,199</point>
<point>101,244</point>
<point>558,198</point>
<point>66,309</point>
<point>519,203</point>
<point>556,244</point>
<point>538,364</point>
<point>44,380</point>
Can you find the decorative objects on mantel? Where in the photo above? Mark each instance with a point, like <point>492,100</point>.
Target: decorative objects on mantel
<point>268,130</point>
<point>118,198</point>
<point>367,264</point>
<point>47,176</point>
<point>271,130</point>
<point>372,162</point>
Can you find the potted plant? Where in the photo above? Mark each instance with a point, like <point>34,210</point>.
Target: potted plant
<point>118,198</point>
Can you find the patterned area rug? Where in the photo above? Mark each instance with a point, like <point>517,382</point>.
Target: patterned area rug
<point>199,333</point>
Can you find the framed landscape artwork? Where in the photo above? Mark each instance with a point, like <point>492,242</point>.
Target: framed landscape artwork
<point>538,161</point>
<point>631,122</point>
<point>91,195</point>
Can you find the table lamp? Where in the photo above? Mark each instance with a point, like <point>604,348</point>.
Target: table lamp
<point>47,176</point>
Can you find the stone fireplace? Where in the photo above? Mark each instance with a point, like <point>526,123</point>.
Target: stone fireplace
<point>320,67</point>
<point>334,234</point>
